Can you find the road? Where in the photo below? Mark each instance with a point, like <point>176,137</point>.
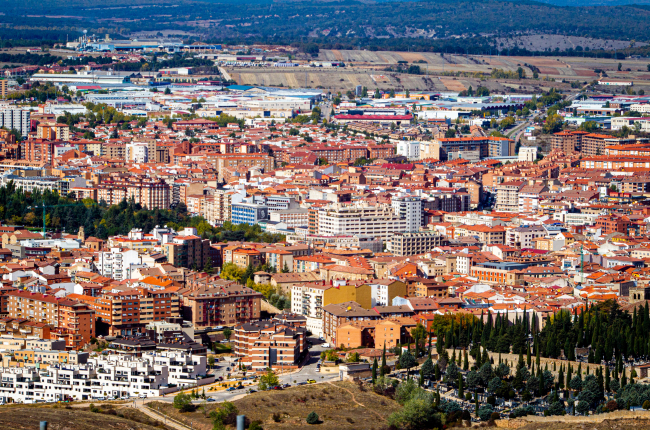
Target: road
<point>308,371</point>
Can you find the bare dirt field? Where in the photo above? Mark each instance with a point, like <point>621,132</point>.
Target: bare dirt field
<point>368,68</point>
<point>28,418</point>
<point>340,406</point>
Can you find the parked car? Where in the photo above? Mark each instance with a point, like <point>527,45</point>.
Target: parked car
<point>301,383</point>
<point>143,396</point>
<point>231,389</point>
<point>211,399</point>
<point>286,385</point>
<point>311,381</point>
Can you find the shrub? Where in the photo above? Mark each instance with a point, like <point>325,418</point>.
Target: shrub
<point>495,416</point>
<point>255,425</point>
<point>485,412</point>
<point>646,404</point>
<point>612,405</point>
<point>312,418</point>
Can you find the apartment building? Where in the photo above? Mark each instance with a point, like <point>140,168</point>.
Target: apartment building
<point>72,321</point>
<point>232,304</point>
<point>307,300</point>
<point>126,313</point>
<point>148,192</point>
<point>335,315</point>
<point>291,217</point>
<point>227,161</point>
<point>104,377</point>
<point>118,263</point>
<point>612,224</point>
<point>568,141</point>
<point>360,219</point>
<point>594,144</point>
<point>270,344</point>
<point>508,196</point>
<point>523,237</point>
<point>187,251</point>
<point>409,208</point>
<point>18,119</point>
<point>406,244</point>
<point>530,196</point>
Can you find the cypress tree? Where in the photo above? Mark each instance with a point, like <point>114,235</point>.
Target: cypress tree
<point>374,370</point>
<point>560,377</point>
<point>436,370</point>
<point>466,363</point>
<point>528,357</point>
<point>383,361</point>
<point>623,381</point>
<point>580,370</point>
<point>607,378</point>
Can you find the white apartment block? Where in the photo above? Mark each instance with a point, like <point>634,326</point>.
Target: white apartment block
<point>409,208</point>
<point>307,300</point>
<point>409,149</point>
<point>118,263</point>
<point>18,119</point>
<point>360,219</point>
<point>105,376</point>
<point>640,107</point>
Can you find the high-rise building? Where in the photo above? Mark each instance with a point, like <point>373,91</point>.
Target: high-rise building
<point>410,209</point>
<point>16,119</point>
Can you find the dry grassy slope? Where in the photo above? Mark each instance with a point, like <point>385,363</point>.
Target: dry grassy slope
<point>614,424</point>
<point>340,406</point>
<point>28,418</point>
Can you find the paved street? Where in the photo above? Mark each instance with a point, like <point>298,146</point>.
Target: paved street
<point>305,373</point>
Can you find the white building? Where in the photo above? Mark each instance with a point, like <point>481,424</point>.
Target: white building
<point>527,153</point>
<point>409,149</point>
<point>104,377</point>
<point>18,119</point>
<point>409,208</point>
<point>307,300</point>
<point>137,153</point>
<point>360,219</point>
<point>118,263</point>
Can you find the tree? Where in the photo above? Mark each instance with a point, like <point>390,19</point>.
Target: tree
<point>427,370</point>
<point>168,91</point>
<point>553,124</point>
<point>620,66</point>
<point>485,412</point>
<point>211,361</point>
<point>354,358</point>
<point>285,269</point>
<point>583,407</point>
<point>226,413</point>
<point>494,385</point>
<point>268,380</point>
<point>452,373</point>
<point>374,370</point>
<point>231,272</point>
<point>183,402</point>
<point>312,418</point>
<point>407,361</point>
<point>227,333</point>
<point>473,380</point>
<point>207,267</point>
<point>521,73</point>
<point>450,133</point>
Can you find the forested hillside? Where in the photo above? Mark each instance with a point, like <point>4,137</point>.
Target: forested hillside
<point>413,25</point>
